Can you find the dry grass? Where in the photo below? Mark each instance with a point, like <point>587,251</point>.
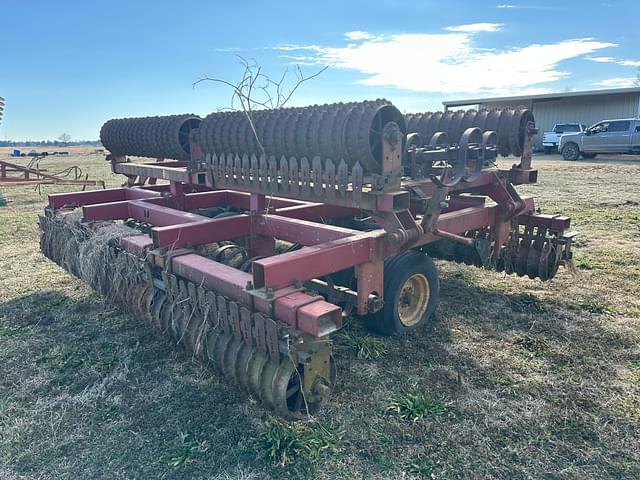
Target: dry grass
<point>514,379</point>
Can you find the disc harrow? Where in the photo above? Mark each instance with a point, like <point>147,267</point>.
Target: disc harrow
<point>247,347</point>
<point>509,124</point>
<point>282,223</point>
<point>532,251</point>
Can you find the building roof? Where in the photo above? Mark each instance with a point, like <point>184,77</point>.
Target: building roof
<point>544,96</point>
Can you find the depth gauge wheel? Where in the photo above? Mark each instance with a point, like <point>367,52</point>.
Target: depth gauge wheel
<point>411,294</point>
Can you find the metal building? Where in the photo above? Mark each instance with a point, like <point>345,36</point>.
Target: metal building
<point>586,107</point>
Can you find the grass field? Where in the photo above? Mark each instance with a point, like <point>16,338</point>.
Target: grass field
<point>514,379</point>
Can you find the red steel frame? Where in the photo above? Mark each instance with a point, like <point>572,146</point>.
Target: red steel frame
<point>275,285</point>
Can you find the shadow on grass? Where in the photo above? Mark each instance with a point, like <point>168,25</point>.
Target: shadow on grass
<point>91,384</point>
<point>100,387</point>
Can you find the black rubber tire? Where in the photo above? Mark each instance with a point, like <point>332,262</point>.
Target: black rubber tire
<point>548,150</point>
<point>396,272</point>
<point>589,156</point>
<point>571,152</point>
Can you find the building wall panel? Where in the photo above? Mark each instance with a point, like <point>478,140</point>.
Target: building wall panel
<point>587,110</point>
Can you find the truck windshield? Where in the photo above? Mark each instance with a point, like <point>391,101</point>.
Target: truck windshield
<point>566,128</point>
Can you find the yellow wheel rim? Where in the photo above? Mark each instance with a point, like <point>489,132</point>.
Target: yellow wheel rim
<point>413,299</point>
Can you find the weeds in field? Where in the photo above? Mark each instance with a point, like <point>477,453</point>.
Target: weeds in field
<point>421,468</point>
<point>14,330</point>
<point>365,347</point>
<point>598,308</point>
<point>68,361</point>
<point>414,406</point>
<point>280,443</point>
<point>586,263</point>
<point>283,443</point>
<point>187,449</point>
<point>527,303</point>
<point>533,345</point>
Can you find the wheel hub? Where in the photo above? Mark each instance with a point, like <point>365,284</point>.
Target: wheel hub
<point>413,299</point>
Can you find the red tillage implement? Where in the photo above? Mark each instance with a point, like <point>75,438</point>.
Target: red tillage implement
<point>267,229</point>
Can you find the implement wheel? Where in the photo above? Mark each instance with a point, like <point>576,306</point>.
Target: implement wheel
<point>411,293</point>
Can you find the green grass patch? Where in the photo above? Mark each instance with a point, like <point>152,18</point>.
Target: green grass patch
<point>598,308</point>
<point>586,263</point>
<point>283,444</point>
<point>421,468</point>
<point>185,452</point>
<point>533,345</point>
<point>365,347</point>
<point>605,216</point>
<point>415,406</point>
<point>101,357</point>
<point>14,330</point>
<point>527,303</point>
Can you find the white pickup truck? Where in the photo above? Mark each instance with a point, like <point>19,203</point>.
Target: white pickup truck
<point>551,140</point>
<point>608,136</point>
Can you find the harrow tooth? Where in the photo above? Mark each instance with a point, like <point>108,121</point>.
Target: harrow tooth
<point>305,176</point>
<point>166,314</point>
<point>223,317</point>
<point>159,298</point>
<point>234,319</point>
<point>223,342</point>
<point>266,383</point>
<point>192,333</point>
<point>230,360</point>
<point>243,360</point>
<point>246,328</point>
<point>255,367</point>
<point>143,302</point>
<point>316,165</point>
<point>211,341</point>
<point>294,176</point>
<point>284,176</point>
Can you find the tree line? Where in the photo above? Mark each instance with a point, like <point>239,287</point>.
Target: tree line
<point>47,143</point>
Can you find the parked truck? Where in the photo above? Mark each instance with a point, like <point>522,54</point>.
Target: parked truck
<point>551,140</point>
<point>607,136</point>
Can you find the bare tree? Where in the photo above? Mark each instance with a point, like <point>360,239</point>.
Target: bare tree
<point>256,90</point>
<point>64,138</point>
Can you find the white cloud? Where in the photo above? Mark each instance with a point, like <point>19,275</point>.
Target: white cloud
<point>624,63</point>
<point>452,62</point>
<point>511,6</point>
<point>601,59</point>
<point>292,47</point>
<point>475,27</point>
<point>359,35</point>
<point>619,82</point>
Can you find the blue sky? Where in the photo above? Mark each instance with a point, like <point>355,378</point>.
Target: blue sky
<point>68,66</point>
